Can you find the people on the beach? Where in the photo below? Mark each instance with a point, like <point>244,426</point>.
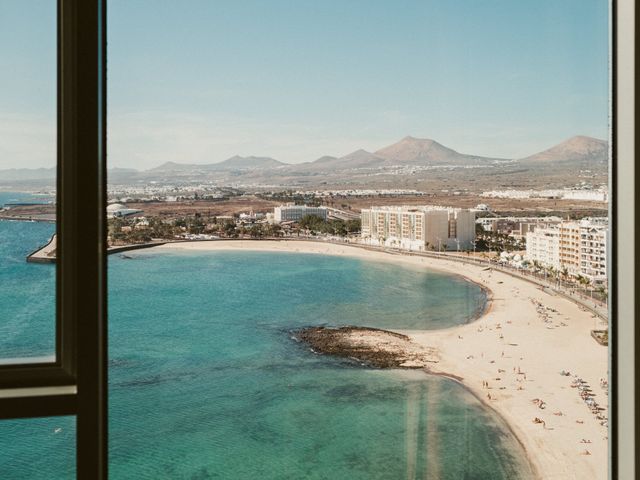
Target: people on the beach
<point>539,420</point>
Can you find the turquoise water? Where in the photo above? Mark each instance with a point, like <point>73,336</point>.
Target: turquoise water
<point>206,382</point>
<point>27,292</point>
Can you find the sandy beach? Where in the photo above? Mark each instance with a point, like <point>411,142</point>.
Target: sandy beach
<point>511,358</point>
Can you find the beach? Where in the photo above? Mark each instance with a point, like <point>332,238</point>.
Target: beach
<point>511,357</point>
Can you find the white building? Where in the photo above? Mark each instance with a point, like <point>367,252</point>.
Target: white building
<point>419,228</point>
<point>251,216</point>
<point>580,247</point>
<point>118,210</point>
<point>543,246</point>
<point>295,213</point>
<point>589,194</point>
<point>593,252</point>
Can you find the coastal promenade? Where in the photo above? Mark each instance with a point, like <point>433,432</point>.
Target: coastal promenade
<point>522,358</point>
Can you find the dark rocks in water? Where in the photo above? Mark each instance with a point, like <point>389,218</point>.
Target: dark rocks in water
<point>371,346</point>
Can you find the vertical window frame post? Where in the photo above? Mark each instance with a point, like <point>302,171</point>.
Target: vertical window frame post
<point>82,296</point>
<point>76,382</point>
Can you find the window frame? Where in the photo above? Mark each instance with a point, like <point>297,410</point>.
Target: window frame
<point>76,383</point>
<point>624,276</point>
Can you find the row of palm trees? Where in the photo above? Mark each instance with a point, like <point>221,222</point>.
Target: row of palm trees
<point>570,280</point>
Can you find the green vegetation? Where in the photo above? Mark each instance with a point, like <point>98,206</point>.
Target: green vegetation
<point>140,230</point>
<point>262,230</point>
<point>340,228</point>
<point>289,196</point>
<point>129,230</point>
<point>496,242</point>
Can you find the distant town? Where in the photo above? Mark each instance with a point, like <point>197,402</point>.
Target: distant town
<point>544,214</point>
<point>563,238</point>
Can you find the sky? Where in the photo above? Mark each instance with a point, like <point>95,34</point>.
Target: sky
<point>198,81</point>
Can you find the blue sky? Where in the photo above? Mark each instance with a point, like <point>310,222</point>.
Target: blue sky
<point>201,80</point>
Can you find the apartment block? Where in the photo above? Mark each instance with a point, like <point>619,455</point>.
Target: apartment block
<point>419,228</point>
<point>580,247</point>
<point>543,246</point>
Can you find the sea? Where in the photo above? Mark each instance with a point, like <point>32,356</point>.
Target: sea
<point>207,381</point>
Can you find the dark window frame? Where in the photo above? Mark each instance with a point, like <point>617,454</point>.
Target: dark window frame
<point>76,382</point>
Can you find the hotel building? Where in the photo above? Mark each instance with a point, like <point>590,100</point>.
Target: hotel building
<point>419,228</point>
<point>543,246</point>
<point>580,247</point>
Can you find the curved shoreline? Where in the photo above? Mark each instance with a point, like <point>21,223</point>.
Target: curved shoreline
<point>386,349</point>
<point>506,424</point>
<point>543,348</point>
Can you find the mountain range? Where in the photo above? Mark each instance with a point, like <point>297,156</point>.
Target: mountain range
<point>579,152</point>
<point>234,163</point>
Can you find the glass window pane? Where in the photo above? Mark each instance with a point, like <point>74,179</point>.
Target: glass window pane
<point>357,240</point>
<point>38,448</point>
<point>27,180</point>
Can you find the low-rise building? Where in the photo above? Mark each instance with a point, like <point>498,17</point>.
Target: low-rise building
<point>295,213</point>
<point>516,226</point>
<point>117,210</point>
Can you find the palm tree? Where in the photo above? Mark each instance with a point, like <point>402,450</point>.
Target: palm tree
<point>583,281</point>
<point>536,266</point>
<point>603,292</point>
<point>552,271</point>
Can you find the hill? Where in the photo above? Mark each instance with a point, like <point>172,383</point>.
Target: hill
<point>578,151</point>
<point>426,152</point>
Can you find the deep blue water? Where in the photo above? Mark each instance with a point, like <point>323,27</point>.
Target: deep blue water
<point>206,382</point>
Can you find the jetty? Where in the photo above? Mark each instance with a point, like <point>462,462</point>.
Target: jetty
<point>45,254</point>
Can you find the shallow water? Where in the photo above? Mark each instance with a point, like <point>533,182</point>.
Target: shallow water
<point>206,382</point>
